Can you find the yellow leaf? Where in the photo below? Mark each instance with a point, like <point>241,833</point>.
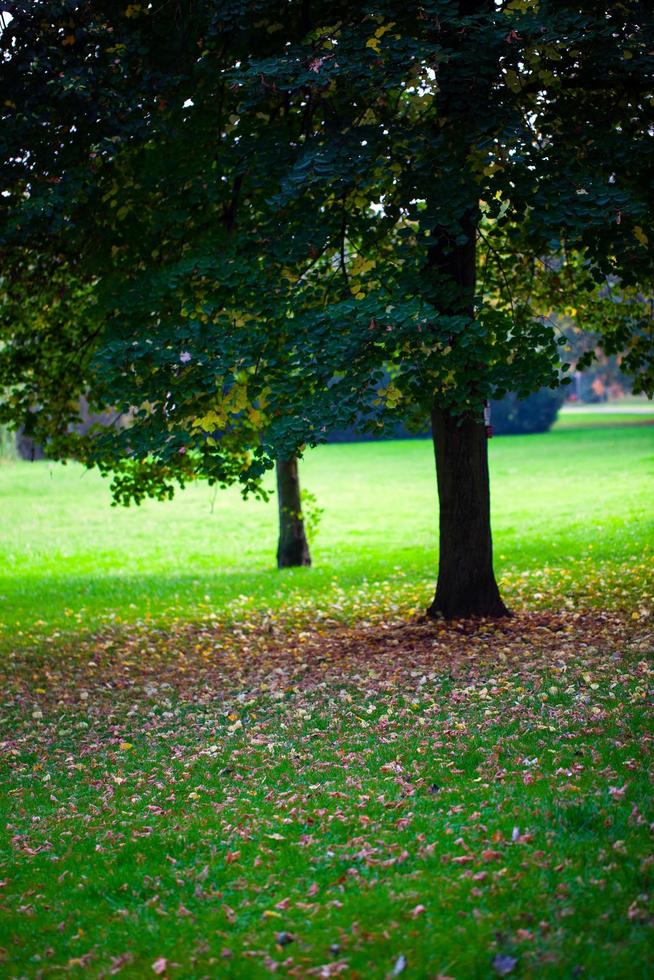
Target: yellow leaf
<point>125,746</point>
<point>512,81</point>
<point>360,266</point>
<point>209,422</point>
<point>237,398</point>
<point>255,416</point>
<point>640,235</point>
<point>373,43</point>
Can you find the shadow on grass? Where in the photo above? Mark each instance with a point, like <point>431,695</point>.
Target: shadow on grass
<point>67,601</point>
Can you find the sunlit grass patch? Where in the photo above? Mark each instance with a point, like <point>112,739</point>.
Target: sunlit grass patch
<point>569,508</point>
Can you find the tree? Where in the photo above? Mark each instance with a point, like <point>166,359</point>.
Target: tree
<point>307,198</point>
<point>49,319</point>
<point>48,338</point>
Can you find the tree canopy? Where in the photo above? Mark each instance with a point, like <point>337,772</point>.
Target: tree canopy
<point>285,218</point>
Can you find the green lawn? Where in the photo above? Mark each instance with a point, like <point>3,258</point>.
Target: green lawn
<point>575,419</point>
<point>209,769</point>
<point>565,504</point>
<point>233,804</point>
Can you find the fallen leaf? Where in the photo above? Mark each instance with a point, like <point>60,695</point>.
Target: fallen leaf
<point>503,965</point>
<point>400,965</point>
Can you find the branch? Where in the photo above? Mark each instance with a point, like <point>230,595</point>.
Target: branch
<point>501,268</point>
<point>342,248</point>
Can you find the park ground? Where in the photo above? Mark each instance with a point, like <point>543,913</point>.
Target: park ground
<point>212,769</point>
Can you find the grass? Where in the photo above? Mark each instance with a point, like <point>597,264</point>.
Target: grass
<point>214,803</point>
<point>564,504</point>
<point>572,419</point>
<point>211,769</point>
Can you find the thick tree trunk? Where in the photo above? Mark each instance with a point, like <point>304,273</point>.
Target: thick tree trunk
<point>293,547</point>
<point>466,581</point>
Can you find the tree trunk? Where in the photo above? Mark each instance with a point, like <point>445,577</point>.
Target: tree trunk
<point>27,448</point>
<point>466,581</point>
<point>293,548</point>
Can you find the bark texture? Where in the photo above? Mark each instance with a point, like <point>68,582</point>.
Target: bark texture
<point>466,581</point>
<point>293,547</point>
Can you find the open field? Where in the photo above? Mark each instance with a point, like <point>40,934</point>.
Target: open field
<point>569,508</point>
<point>592,419</point>
<point>211,769</point>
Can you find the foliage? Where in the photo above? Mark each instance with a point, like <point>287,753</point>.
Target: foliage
<point>47,333</point>
<point>605,324</point>
<point>264,203</point>
<point>535,413</point>
<point>605,376</point>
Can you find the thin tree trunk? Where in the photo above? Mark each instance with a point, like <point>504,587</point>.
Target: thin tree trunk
<point>466,581</point>
<point>27,448</point>
<point>293,547</point>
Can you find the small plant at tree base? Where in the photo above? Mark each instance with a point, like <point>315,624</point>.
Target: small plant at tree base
<point>311,514</point>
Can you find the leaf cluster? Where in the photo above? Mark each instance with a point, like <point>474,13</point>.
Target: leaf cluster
<point>266,207</point>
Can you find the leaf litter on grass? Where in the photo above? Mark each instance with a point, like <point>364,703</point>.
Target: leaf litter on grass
<point>454,798</point>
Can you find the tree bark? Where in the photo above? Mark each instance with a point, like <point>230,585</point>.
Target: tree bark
<point>466,581</point>
<point>293,547</point>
